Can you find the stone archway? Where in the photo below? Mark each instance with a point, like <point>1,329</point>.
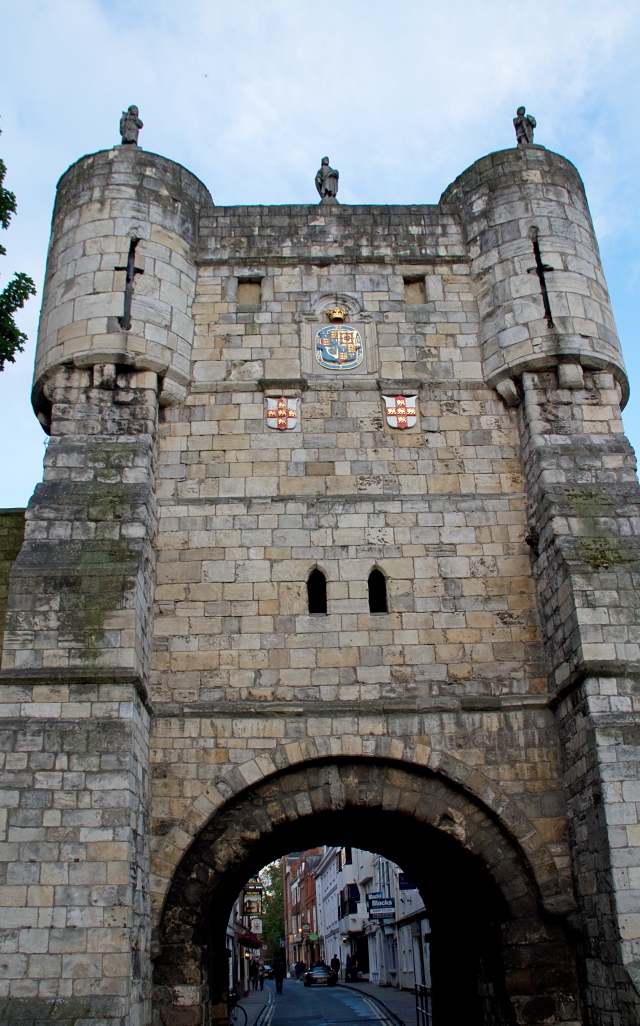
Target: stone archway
<point>501,957</point>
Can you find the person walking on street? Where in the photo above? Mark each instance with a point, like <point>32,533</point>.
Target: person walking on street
<point>296,969</point>
<point>253,974</point>
<point>347,968</point>
<point>335,965</point>
<point>261,976</point>
<point>278,973</point>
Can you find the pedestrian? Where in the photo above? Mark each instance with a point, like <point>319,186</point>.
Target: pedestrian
<point>261,975</point>
<point>347,968</point>
<point>335,965</point>
<point>303,968</point>
<point>253,974</point>
<point>296,969</point>
<point>278,973</point>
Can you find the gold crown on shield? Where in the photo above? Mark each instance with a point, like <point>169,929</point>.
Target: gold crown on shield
<point>337,314</point>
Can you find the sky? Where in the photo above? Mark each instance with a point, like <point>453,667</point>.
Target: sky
<point>249,95</point>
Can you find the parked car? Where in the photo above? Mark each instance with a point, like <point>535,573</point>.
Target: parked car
<point>320,974</point>
<point>268,972</point>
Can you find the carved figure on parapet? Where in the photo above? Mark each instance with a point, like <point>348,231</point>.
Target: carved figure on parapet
<point>327,182</point>
<point>130,125</point>
<point>524,125</point>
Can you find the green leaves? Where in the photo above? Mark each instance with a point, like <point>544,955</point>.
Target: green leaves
<point>7,199</point>
<point>15,294</point>
<point>13,298</point>
<point>273,907</point>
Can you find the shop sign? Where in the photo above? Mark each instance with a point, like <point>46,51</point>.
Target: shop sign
<point>405,883</point>
<point>382,908</point>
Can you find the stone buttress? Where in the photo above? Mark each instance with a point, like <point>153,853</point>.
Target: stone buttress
<point>160,662</point>
<point>78,628</point>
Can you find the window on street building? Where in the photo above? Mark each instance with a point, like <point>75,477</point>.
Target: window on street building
<point>349,898</point>
<point>344,858</point>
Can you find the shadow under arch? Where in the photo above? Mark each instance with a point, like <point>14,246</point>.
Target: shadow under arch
<point>497,956</point>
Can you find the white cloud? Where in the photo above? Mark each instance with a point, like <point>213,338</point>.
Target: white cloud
<point>250,95</point>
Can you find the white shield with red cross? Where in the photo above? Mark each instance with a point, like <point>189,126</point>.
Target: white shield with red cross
<point>402,410</point>
<point>282,413</point>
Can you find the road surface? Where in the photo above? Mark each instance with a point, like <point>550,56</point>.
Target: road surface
<point>322,1006</point>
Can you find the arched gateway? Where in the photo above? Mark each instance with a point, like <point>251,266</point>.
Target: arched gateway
<point>499,956</point>
<point>386,401</point>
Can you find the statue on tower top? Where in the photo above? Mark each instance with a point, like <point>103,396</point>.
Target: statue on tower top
<point>130,125</point>
<point>524,125</point>
<point>327,182</point>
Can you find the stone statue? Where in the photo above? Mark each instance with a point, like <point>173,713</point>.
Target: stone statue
<point>327,182</point>
<point>524,125</point>
<point>130,125</point>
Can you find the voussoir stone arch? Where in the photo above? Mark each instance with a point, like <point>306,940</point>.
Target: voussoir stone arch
<point>440,833</point>
<point>169,850</point>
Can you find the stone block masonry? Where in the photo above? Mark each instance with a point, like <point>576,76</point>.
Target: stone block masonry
<point>11,538</point>
<point>167,696</point>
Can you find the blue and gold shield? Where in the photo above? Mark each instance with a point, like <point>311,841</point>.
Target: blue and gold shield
<point>339,347</point>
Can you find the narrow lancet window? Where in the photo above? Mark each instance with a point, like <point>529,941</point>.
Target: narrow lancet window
<point>317,592</point>
<point>377,592</point>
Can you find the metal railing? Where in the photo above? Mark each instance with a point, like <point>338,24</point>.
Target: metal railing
<point>424,1012</point>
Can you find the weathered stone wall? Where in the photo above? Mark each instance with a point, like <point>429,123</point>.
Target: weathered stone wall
<point>75,922</point>
<point>407,813</point>
<point>501,199</point>
<point>585,501</point>
<point>160,663</point>
<point>11,538</point>
<point>105,202</point>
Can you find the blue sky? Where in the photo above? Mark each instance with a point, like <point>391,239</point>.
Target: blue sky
<point>249,95</point>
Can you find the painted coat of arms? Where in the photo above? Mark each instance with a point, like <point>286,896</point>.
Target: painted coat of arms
<point>339,347</point>
<point>282,413</point>
<point>401,410</point>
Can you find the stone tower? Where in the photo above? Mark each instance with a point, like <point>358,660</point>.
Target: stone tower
<point>200,672</point>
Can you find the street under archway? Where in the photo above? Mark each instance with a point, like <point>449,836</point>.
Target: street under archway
<point>498,956</point>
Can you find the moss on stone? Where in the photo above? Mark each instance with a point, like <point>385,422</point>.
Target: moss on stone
<point>11,538</point>
<point>589,501</point>
<point>602,552</point>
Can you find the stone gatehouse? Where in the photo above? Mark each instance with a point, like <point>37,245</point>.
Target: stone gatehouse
<point>336,543</point>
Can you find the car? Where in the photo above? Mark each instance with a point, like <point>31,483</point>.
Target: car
<point>268,972</point>
<point>318,975</point>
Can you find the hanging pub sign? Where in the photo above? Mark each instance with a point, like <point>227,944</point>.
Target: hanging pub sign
<point>252,903</point>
